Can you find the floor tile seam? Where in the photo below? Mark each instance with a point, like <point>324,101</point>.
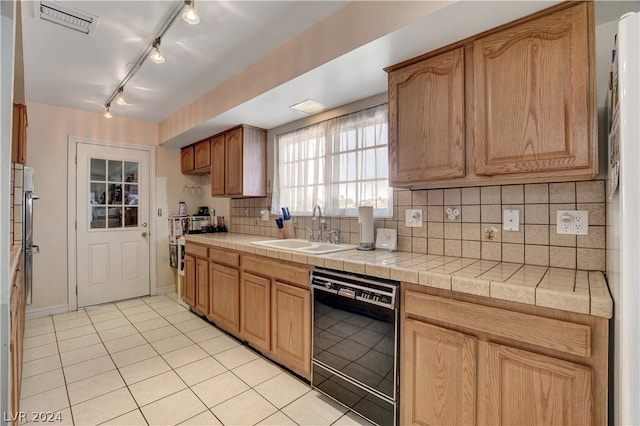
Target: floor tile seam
<point>64,378</point>
<point>84,360</point>
<point>102,394</point>
<point>199,414</point>
<point>49,390</point>
<point>259,394</point>
<point>124,414</point>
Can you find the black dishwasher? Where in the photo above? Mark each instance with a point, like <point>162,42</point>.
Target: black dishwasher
<point>355,342</point>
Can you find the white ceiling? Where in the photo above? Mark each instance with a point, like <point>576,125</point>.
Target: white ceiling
<point>70,69</point>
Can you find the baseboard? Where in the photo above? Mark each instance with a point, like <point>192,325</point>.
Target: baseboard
<point>46,311</point>
<point>165,290</point>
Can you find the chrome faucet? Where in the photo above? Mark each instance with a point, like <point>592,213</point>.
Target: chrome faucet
<point>317,215</point>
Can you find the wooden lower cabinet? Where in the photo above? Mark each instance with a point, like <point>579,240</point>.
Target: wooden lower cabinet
<point>438,371</point>
<point>202,285</point>
<point>475,361</point>
<point>528,388</point>
<point>224,297</point>
<point>255,311</point>
<point>189,287</point>
<point>16,345</point>
<point>291,327</point>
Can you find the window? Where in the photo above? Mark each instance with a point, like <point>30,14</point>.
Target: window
<point>339,164</point>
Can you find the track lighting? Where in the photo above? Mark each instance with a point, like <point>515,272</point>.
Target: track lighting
<point>120,100</point>
<point>189,15</point>
<point>156,54</point>
<point>186,8</point>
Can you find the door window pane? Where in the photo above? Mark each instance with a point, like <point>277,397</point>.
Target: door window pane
<point>130,171</point>
<point>130,216</point>
<point>109,194</point>
<point>98,169</point>
<point>115,171</point>
<point>98,217</point>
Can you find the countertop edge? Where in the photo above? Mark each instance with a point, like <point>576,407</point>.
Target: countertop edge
<point>589,296</point>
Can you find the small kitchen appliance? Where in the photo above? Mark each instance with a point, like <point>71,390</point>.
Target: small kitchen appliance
<point>365,227</point>
<point>198,224</point>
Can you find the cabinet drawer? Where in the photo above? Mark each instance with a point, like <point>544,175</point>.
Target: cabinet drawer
<point>196,249</point>
<point>548,333</point>
<point>284,272</point>
<point>225,257</point>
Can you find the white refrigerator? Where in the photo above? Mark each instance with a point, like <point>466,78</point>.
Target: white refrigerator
<point>623,219</point>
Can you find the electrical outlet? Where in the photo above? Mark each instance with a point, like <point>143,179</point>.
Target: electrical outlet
<point>572,222</point>
<point>413,218</point>
<point>511,220</point>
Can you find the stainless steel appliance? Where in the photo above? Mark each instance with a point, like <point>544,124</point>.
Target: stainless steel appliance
<point>27,231</point>
<point>198,224</point>
<point>355,342</point>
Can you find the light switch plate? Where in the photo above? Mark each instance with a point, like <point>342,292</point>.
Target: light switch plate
<point>511,220</point>
<point>413,218</point>
<point>573,222</point>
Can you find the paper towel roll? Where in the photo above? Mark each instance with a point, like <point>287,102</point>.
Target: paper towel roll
<point>365,226</point>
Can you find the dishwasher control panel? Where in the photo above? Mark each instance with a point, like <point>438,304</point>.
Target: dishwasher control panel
<point>352,286</point>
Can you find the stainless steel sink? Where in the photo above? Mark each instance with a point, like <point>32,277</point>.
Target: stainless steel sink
<point>304,246</point>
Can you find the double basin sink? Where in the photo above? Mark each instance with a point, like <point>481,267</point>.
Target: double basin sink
<point>303,246</point>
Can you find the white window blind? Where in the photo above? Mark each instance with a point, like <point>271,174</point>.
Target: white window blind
<point>339,164</point>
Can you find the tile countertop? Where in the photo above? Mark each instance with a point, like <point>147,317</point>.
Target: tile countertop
<point>579,291</point>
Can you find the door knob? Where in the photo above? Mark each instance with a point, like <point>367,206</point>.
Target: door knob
<point>144,235</point>
<point>144,224</point>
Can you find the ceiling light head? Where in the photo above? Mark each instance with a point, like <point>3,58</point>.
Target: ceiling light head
<point>156,54</point>
<point>120,100</point>
<point>107,111</point>
<point>308,106</point>
<point>189,15</point>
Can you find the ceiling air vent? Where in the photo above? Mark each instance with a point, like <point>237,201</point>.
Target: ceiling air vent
<point>68,17</point>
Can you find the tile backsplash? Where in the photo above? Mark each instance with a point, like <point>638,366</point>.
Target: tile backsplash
<point>477,231</point>
<point>16,203</point>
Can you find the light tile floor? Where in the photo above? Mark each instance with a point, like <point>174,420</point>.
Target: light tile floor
<point>151,361</point>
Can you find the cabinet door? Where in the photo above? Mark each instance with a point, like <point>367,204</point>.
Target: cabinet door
<point>526,388</point>
<point>202,155</point>
<point>426,120</point>
<point>438,371</point>
<point>19,144</point>
<point>255,312</point>
<point>202,285</point>
<point>187,159</point>
<point>189,290</point>
<point>291,327</point>
<point>532,97</point>
<point>217,165</point>
<point>224,300</point>
<point>234,162</point>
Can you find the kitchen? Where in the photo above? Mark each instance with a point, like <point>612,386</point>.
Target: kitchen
<point>47,123</point>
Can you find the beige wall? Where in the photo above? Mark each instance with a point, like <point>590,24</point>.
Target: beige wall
<point>47,135</point>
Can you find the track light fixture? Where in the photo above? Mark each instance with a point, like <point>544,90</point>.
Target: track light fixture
<point>156,54</point>
<point>120,100</point>
<point>189,15</point>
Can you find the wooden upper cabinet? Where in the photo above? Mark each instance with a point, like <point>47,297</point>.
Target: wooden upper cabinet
<point>527,388</point>
<point>426,120</point>
<point>202,158</point>
<point>19,143</point>
<point>217,165</point>
<point>196,159</point>
<point>513,104</point>
<point>239,166</point>
<point>187,159</point>
<point>532,87</point>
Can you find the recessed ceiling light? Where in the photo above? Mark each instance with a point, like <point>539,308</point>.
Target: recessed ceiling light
<point>308,106</point>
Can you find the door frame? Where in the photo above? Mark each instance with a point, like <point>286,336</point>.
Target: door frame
<point>72,242</point>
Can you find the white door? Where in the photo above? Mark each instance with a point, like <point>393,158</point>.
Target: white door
<point>112,189</point>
